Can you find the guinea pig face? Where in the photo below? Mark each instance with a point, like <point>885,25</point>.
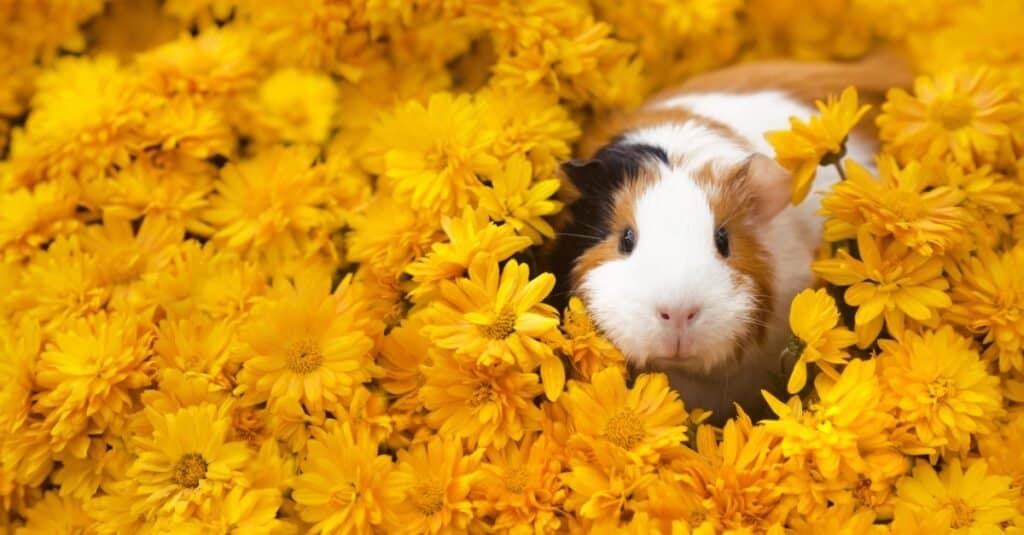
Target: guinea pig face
<point>680,279</point>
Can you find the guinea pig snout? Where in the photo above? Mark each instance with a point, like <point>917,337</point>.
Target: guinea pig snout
<point>679,316</point>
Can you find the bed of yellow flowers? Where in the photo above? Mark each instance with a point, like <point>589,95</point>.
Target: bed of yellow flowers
<point>268,267</point>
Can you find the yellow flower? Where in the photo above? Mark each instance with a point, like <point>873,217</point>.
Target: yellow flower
<point>1001,450</point>
<point>647,422</point>
<point>530,123</point>
<point>345,485</point>
<point>400,354</point>
<point>186,462</point>
<point>439,477</point>
<point>293,106</point>
<point>813,317</point>
<point>89,375</point>
<point>940,388</point>
<point>521,485</point>
<point>20,346</point>
<point>301,348</point>
<point>588,350</point>
<point>216,63</point>
<point>497,318</point>
<point>436,152</point>
<point>485,406</point>
<point>195,345</point>
<point>29,219</point>
<point>739,477</point>
<point>386,236</point>
<point>987,301</point>
<point>820,141</point>
<point>888,284</point>
<point>469,236</point>
<point>599,495</point>
<point>844,519</point>
<point>990,198</point>
<point>976,501</point>
<point>964,114</point>
<point>55,514</point>
<point>905,204</point>
<point>836,432</point>
<point>512,198</point>
<point>241,511</point>
<point>271,207</point>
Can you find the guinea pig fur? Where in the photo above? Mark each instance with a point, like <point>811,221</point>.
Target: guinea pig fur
<point>680,238</point>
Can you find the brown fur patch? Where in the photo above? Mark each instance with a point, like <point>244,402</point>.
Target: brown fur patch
<point>622,216</point>
<point>732,202</point>
<point>603,133</point>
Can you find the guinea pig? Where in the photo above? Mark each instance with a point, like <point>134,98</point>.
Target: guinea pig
<point>680,238</point>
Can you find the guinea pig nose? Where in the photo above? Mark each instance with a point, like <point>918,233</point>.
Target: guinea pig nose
<point>689,313</point>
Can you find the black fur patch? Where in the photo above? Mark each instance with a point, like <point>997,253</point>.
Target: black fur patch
<point>597,180</point>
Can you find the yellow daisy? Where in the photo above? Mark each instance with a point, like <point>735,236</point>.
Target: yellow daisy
<point>436,152</point>
<point>599,495</point>
<point>215,63</point>
<point>904,203</point>
<point>497,317</point>
<point>976,501</point>
<point>1001,450</point>
<point>89,375</point>
<point>386,236</point>
<point>485,406</point>
<point>300,348</point>
<point>469,236</point>
<point>962,113</point>
<point>521,485</point>
<point>293,106</point>
<point>513,197</point>
<point>346,486</point>
<point>940,388</point>
<point>888,284</point>
<point>20,346</point>
<point>820,141</point>
<point>197,346</point>
<point>531,123</point>
<point>439,477</point>
<point>55,514</point>
<point>29,219</point>
<point>813,317</point>
<point>186,462</point>
<point>647,422</point>
<point>241,511</point>
<point>400,354</point>
<point>987,301</point>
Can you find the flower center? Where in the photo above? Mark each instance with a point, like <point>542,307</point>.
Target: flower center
<point>963,514</point>
<point>483,394</point>
<point>515,479</point>
<point>502,326</point>
<point>189,470</point>
<point>624,429</point>
<point>427,497</point>
<point>905,205</point>
<point>304,357</point>
<point>941,388</point>
<point>953,114</point>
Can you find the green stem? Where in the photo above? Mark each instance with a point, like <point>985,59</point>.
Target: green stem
<point>839,168</point>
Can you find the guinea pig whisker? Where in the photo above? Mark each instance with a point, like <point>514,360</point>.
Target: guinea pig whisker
<point>584,236</point>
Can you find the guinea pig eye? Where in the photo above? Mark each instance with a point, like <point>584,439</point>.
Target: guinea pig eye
<point>722,241</point>
<point>627,241</point>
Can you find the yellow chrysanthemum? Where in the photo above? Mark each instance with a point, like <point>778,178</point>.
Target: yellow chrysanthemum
<point>837,433</point>
<point>20,346</point>
<point>964,114</point>
<point>214,64</point>
<point>90,374</point>
<point>303,349</point>
<point>518,201</point>
<point>294,106</point>
<point>29,219</point>
<point>241,511</point>
<point>195,345</point>
<point>1001,450</point>
<point>904,203</point>
<point>820,141</point>
<point>813,317</point>
<point>974,500</point>
<point>646,422</point>
<point>346,486</point>
<point>439,477</point>
<point>497,317</point>
<point>186,462</point>
<point>469,236</point>
<point>521,485</point>
<point>529,123</point>
<point>599,494</point>
<point>888,284</point>
<point>435,153</point>
<point>940,389</point>
<point>987,301</point>
<point>55,514</point>
<point>486,406</point>
<point>386,236</point>
<point>272,207</point>
<point>588,350</point>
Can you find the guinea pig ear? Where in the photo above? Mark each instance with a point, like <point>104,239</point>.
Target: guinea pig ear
<point>770,183</point>
<point>586,175</point>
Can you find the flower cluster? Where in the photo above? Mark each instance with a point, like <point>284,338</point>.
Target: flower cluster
<point>269,267</point>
